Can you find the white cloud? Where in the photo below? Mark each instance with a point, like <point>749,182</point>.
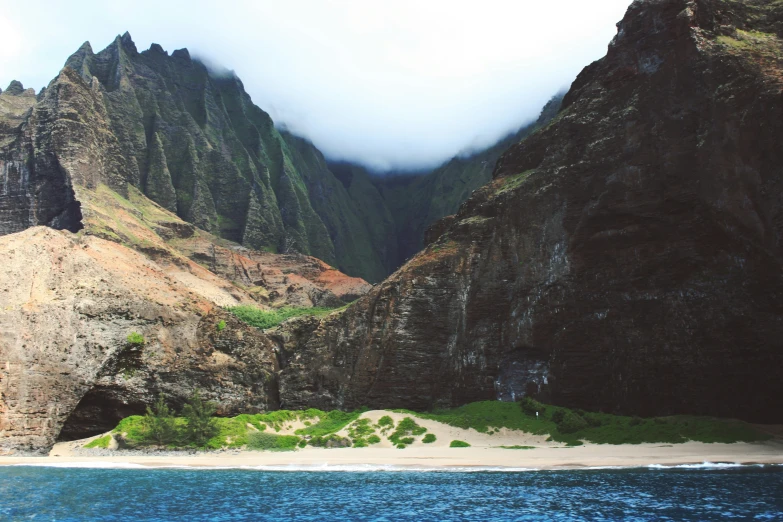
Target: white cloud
<point>398,83</point>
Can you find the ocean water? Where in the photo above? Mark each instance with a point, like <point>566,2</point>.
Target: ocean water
<point>682,493</point>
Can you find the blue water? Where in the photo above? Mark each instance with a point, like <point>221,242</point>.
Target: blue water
<point>748,493</point>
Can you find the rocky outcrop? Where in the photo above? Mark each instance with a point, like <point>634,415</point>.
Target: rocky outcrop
<point>625,258</point>
<point>33,188</point>
<point>67,366</point>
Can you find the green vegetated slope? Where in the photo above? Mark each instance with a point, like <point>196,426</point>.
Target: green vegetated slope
<point>320,428</point>
<point>572,426</point>
<point>193,141</point>
<point>264,319</point>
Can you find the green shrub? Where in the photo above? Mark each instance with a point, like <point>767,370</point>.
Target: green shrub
<point>571,423</point>
<point>429,438</point>
<point>159,424</point>
<point>201,425</point>
<point>459,444</point>
<point>330,441</point>
<point>135,339</point>
<point>558,416</point>
<point>270,442</point>
<point>220,326</point>
<point>302,443</point>
<point>405,428</point>
<point>101,442</point>
<point>401,446</point>
<point>594,421</point>
<point>373,439</point>
<point>486,416</point>
<point>385,422</point>
<point>264,319</point>
<point>360,428</point>
<point>531,406</point>
<point>359,443</point>
<point>231,433</point>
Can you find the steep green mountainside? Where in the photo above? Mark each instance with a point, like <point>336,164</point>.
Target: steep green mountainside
<point>195,143</point>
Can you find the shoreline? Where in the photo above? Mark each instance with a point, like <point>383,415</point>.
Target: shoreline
<point>588,456</point>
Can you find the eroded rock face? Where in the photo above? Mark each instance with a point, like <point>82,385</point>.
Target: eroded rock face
<point>626,258</point>
<point>34,190</point>
<point>68,305</point>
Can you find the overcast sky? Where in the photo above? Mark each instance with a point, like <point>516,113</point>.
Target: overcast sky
<point>392,84</point>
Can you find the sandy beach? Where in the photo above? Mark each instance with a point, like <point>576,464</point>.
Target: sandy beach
<point>485,452</point>
<point>589,455</point>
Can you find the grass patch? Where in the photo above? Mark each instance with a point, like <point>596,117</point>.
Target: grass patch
<point>512,182</point>
<point>135,339</point>
<point>406,429</point>
<point>459,444</point>
<point>516,447</point>
<point>270,442</point>
<point>385,423</point>
<point>330,422</point>
<point>265,319</point>
<point>359,431</point>
<point>100,442</point>
<point>571,426</point>
<point>330,441</point>
<point>564,425</point>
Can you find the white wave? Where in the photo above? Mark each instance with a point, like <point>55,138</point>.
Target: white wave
<point>705,465</point>
<point>362,468</point>
<point>354,468</point>
<point>93,465</point>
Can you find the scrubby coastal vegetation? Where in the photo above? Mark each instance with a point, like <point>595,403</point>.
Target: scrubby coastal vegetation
<point>264,319</point>
<point>286,430</point>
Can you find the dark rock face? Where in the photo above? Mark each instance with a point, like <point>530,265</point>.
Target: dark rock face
<point>625,258</point>
<point>33,191</point>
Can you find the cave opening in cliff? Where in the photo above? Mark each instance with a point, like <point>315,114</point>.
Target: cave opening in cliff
<point>99,411</point>
<point>70,219</point>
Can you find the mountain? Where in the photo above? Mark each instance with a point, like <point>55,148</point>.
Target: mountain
<point>192,141</point>
<point>627,257</point>
<point>173,193</point>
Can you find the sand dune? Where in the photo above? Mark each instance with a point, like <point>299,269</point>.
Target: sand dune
<point>485,452</point>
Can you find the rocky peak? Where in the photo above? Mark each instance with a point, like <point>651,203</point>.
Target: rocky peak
<point>181,54</point>
<point>127,43</point>
<point>15,88</point>
<point>157,49</point>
